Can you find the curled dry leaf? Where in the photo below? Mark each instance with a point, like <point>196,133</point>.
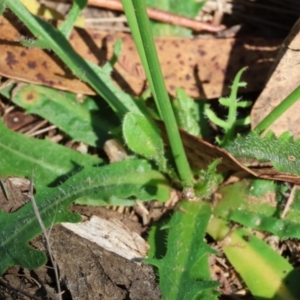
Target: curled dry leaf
<point>203,67</point>
<point>201,153</point>
<point>284,78</point>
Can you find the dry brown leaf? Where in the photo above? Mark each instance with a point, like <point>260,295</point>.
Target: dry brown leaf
<point>203,67</point>
<point>285,77</point>
<point>201,153</point>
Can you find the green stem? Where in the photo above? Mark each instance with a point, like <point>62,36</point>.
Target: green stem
<point>158,87</point>
<point>278,111</point>
<point>135,31</point>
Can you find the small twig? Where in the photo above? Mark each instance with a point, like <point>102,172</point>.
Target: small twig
<point>42,130</point>
<point>46,235</point>
<point>105,20</point>
<point>6,84</point>
<point>162,16</point>
<point>17,290</point>
<point>38,126</point>
<point>9,109</point>
<point>219,13</point>
<point>142,211</point>
<point>5,191</point>
<point>289,202</point>
<point>227,238</point>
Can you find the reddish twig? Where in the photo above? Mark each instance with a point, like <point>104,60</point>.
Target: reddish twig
<point>162,16</point>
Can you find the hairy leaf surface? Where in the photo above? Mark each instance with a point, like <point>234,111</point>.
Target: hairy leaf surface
<point>85,122</point>
<point>143,137</point>
<point>282,152</point>
<point>98,183</point>
<point>184,270</point>
<point>51,163</point>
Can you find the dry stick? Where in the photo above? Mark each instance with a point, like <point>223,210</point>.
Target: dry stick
<point>35,128</point>
<point>46,235</point>
<point>289,202</point>
<point>5,191</point>
<point>42,130</point>
<point>17,290</point>
<point>219,13</point>
<point>162,16</point>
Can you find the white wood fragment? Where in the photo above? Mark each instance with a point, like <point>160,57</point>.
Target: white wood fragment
<point>111,235</point>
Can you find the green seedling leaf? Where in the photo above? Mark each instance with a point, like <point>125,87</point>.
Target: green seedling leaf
<point>266,273</point>
<point>66,27</point>
<point>30,43</point>
<point>282,152</point>
<point>152,185</point>
<point>256,204</point>
<point>233,103</point>
<point>21,155</point>
<point>143,137</point>
<point>188,8</point>
<point>88,122</point>
<point>185,112</point>
<point>208,180</point>
<point>98,183</point>
<point>184,270</point>
<point>108,66</point>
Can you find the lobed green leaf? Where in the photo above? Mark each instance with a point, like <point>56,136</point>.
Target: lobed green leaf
<point>97,183</point>
<point>66,27</point>
<point>21,155</point>
<point>184,270</point>
<point>282,152</point>
<point>232,102</point>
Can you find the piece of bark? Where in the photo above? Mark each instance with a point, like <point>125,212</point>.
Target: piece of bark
<point>112,235</point>
<point>106,213</point>
<point>90,272</point>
